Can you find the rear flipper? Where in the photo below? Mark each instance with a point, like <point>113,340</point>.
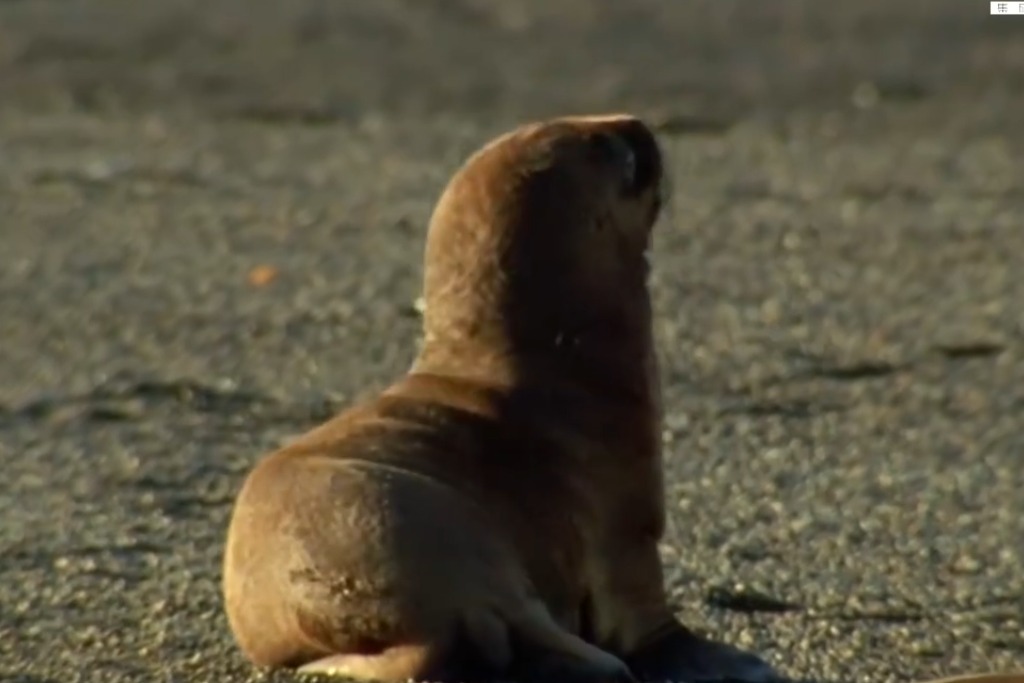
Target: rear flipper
<point>530,648</point>
<point>679,655</point>
<point>544,652</point>
<point>548,666</point>
<point>393,664</point>
<point>477,650</point>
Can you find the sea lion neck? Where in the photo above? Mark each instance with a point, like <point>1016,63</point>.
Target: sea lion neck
<point>488,322</point>
<point>607,360</point>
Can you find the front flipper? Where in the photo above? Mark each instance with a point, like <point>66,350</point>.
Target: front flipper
<point>679,655</point>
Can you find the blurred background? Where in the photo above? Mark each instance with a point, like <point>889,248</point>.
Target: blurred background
<point>211,226</point>
<point>313,61</point>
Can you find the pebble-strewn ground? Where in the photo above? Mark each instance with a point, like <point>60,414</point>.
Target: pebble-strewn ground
<point>839,284</point>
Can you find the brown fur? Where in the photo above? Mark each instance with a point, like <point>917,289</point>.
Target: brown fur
<point>496,512</point>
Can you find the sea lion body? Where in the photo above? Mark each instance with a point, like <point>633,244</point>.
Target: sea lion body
<point>496,512</point>
<point>434,540</point>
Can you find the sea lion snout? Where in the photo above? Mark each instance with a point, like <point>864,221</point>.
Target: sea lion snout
<point>638,153</point>
<point>629,143</point>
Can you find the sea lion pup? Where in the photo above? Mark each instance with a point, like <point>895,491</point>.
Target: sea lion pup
<point>495,514</point>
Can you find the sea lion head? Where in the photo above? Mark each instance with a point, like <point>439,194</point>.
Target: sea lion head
<point>538,245</point>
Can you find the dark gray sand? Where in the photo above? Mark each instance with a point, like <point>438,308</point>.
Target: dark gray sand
<point>839,284</point>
